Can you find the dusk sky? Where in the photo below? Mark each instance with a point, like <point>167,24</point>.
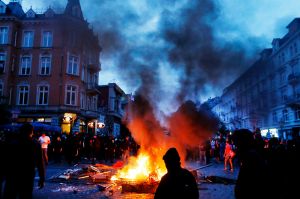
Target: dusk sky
<point>183,49</point>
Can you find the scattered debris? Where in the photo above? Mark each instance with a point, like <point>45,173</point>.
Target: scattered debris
<point>218,179</point>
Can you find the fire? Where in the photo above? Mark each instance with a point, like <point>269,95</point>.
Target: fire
<point>144,167</point>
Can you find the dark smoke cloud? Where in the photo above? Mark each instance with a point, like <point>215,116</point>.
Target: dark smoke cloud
<point>185,39</point>
<point>188,44</point>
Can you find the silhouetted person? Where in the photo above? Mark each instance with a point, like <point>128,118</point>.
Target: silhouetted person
<point>57,149</point>
<point>253,178</point>
<point>178,182</point>
<point>25,155</point>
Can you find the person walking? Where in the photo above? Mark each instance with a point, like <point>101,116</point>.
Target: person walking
<point>44,141</point>
<point>228,156</point>
<point>178,182</point>
<point>25,156</point>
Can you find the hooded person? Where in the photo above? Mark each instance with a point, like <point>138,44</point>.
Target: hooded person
<point>253,178</point>
<point>177,182</point>
<point>25,155</point>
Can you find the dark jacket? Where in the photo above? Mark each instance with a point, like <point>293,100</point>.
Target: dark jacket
<point>24,157</point>
<point>177,184</point>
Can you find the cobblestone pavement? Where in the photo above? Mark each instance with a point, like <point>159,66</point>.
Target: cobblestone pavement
<point>59,190</point>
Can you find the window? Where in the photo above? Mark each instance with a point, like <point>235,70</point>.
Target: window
<point>1,89</point>
<point>284,96</point>
<point>47,39</point>
<point>2,61</point>
<point>3,35</point>
<point>73,63</point>
<point>2,9</point>
<point>274,117</point>
<point>297,113</point>
<point>25,66</point>
<point>82,74</point>
<point>43,95</point>
<point>291,51</point>
<point>23,95</point>
<point>45,65</point>
<point>71,95</point>
<point>28,39</point>
<point>82,100</point>
<point>285,115</point>
<point>295,48</point>
<point>94,103</point>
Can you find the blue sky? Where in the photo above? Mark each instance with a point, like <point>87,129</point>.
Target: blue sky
<point>180,49</point>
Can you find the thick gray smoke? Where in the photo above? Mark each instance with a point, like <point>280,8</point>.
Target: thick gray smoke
<point>167,49</point>
<point>180,38</point>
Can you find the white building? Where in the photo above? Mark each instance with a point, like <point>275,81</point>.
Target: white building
<point>267,95</point>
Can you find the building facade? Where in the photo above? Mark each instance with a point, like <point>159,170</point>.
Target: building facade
<point>267,95</point>
<point>112,103</point>
<point>49,66</point>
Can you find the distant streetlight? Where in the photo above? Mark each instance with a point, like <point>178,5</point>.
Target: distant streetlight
<point>100,125</point>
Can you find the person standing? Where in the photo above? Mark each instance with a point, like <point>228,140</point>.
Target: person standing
<point>253,179</point>
<point>44,141</point>
<point>25,155</point>
<point>57,149</point>
<point>178,182</point>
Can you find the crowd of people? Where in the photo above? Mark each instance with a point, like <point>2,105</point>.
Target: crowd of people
<point>25,150</point>
<point>74,148</point>
<point>267,167</point>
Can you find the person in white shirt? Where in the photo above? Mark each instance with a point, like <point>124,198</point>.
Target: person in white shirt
<point>44,140</point>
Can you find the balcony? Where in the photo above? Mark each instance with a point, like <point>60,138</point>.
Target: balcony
<point>293,101</point>
<point>94,66</point>
<point>294,78</point>
<point>117,113</point>
<point>92,88</point>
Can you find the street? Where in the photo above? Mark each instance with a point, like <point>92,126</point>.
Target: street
<point>60,190</point>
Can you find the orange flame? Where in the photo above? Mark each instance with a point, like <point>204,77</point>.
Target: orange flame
<point>144,168</point>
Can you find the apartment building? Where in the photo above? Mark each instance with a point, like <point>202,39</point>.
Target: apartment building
<point>267,95</point>
<point>49,66</point>
<point>112,102</point>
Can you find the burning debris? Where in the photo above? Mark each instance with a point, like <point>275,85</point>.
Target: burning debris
<point>142,173</point>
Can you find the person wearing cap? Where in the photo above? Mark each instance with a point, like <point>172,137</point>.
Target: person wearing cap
<point>177,182</point>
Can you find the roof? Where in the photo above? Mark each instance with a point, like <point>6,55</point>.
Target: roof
<point>16,9</point>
